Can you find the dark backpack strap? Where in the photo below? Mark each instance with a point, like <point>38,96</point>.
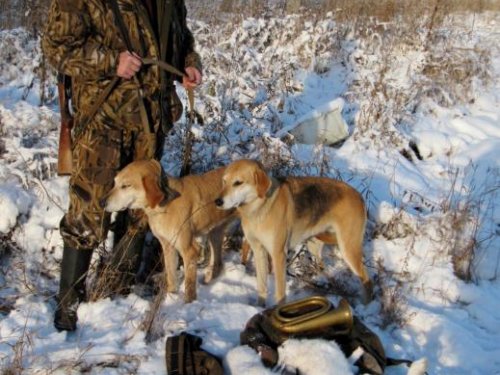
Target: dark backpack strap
<point>191,343</point>
<point>255,337</point>
<point>120,23</point>
<point>373,349</point>
<point>397,362</point>
<point>174,355</point>
<point>165,12</point>
<point>185,357</point>
<point>95,107</point>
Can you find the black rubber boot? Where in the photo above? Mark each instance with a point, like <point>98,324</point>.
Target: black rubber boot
<point>147,282</point>
<point>74,267</point>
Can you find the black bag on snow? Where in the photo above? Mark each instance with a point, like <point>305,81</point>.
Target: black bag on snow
<point>263,333</point>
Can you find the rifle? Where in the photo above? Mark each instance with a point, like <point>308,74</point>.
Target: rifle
<point>64,160</point>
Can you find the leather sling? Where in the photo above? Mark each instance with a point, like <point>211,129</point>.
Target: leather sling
<point>146,61</point>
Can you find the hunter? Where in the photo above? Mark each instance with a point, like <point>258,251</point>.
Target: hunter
<point>123,109</point>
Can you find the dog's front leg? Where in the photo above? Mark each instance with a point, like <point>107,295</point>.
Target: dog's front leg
<point>261,269</point>
<point>278,256</point>
<point>171,261</point>
<point>190,257</point>
<point>215,240</point>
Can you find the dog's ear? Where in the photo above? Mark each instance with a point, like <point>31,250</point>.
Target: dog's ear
<point>154,194</point>
<point>262,182</point>
<point>157,168</point>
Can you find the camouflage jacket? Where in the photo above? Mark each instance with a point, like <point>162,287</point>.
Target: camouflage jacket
<point>82,40</point>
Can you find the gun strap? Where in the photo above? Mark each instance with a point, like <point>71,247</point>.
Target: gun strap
<point>164,21</point>
<point>162,64</point>
<point>120,23</point>
<point>95,107</point>
<point>114,82</point>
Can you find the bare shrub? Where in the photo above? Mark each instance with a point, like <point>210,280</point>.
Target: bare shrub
<point>449,74</point>
<point>20,350</point>
<point>463,241</point>
<point>396,227</point>
<point>387,10</point>
<point>274,156</point>
<point>467,222</point>
<point>394,304</point>
<point>30,14</point>
<point>308,272</point>
<point>440,65</point>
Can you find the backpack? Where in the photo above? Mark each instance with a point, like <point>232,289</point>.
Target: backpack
<point>185,357</point>
<point>264,333</point>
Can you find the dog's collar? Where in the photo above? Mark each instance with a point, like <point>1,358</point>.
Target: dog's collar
<point>275,183</point>
<point>163,187</point>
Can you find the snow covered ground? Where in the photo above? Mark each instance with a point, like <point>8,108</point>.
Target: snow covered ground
<point>426,162</point>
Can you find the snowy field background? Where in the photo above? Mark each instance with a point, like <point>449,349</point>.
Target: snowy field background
<point>423,110</point>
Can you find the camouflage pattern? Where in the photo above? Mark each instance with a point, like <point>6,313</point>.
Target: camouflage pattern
<point>82,41</point>
<point>96,159</point>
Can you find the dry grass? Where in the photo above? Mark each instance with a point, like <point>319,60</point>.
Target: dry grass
<point>461,226</point>
<point>31,13</point>
<point>393,301</point>
<point>468,222</point>
<point>344,10</point>
<point>20,350</point>
<point>408,10</point>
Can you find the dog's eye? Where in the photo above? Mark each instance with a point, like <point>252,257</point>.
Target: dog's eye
<point>125,186</point>
<point>237,183</point>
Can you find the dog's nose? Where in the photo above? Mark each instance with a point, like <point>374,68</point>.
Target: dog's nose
<point>219,202</point>
<point>102,202</point>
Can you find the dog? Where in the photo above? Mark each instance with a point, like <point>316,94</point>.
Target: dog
<point>278,215</point>
<point>178,211</point>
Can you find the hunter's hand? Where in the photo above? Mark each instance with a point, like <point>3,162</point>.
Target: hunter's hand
<point>192,78</point>
<point>128,65</point>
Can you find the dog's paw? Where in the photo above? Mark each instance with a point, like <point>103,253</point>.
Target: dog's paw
<point>172,297</point>
<point>189,298</point>
<point>172,289</point>
<point>189,293</point>
<point>209,276</point>
<point>211,273</point>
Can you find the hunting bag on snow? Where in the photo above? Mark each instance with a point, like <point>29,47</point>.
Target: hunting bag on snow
<point>316,317</point>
